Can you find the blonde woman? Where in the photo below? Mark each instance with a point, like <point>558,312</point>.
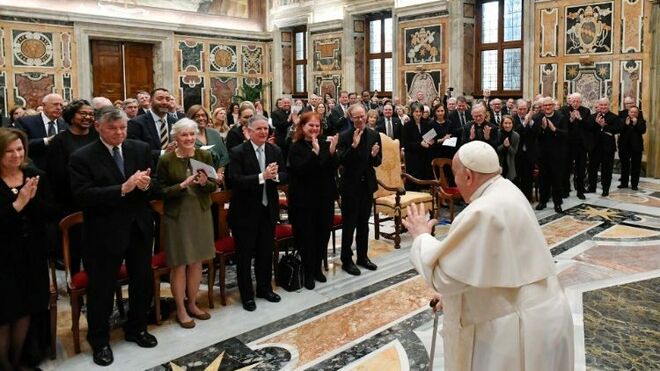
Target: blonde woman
<point>220,121</point>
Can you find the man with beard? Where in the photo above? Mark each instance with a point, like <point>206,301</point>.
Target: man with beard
<point>154,126</point>
<point>528,148</point>
<point>607,124</point>
<point>580,142</point>
<point>552,141</point>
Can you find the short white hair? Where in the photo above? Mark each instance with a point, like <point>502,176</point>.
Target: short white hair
<point>603,100</point>
<point>100,102</point>
<point>183,125</point>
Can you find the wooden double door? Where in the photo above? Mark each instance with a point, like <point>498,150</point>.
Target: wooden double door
<point>121,68</point>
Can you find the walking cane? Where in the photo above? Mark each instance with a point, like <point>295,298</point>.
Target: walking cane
<point>433,303</point>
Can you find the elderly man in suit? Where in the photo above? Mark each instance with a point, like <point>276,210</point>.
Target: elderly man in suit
<point>606,126</point>
<point>388,124</point>
<point>41,128</point>
<point>256,167</point>
<point>358,152</point>
<point>338,121</point>
<point>144,101</point>
<point>154,126</point>
<point>580,142</point>
<point>110,179</point>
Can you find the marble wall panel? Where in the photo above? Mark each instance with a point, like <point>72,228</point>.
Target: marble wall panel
<point>287,68</point>
<point>67,87</point>
<point>328,84</point>
<point>548,81</point>
<point>549,32</point>
<point>190,56</point>
<point>223,58</point>
<point>66,49</point>
<point>33,49</point>
<point>468,58</point>
<point>191,89</point>
<point>326,52</point>
<point>222,91</point>
<point>423,44</point>
<point>2,47</point>
<point>632,20</point>
<point>425,81</point>
<point>589,28</point>
<point>631,81</point>
<point>360,64</point>
<point>592,81</point>
<point>4,99</point>
<point>252,57</point>
<point>31,87</point>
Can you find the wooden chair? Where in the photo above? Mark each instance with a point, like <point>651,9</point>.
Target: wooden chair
<point>77,283</point>
<point>445,193</point>
<point>159,267</point>
<point>225,248</point>
<point>52,307</point>
<point>337,225</point>
<point>283,236</point>
<point>391,198</point>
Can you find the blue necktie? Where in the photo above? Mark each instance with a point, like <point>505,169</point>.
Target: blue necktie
<point>116,155</point>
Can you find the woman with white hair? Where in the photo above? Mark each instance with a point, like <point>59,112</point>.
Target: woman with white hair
<point>188,220</point>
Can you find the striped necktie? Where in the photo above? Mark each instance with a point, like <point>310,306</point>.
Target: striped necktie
<point>164,139</point>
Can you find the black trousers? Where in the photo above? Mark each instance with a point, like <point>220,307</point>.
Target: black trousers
<point>311,229</point>
<point>255,241</point>
<point>577,164</point>
<point>631,163</point>
<point>102,271</point>
<point>355,211</point>
<point>605,162</point>
<point>550,169</point>
<point>525,175</point>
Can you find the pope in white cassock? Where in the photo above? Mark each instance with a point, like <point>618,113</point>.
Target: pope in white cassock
<point>503,306</point>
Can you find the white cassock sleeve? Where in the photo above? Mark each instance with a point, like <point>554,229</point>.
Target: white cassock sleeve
<point>424,257</point>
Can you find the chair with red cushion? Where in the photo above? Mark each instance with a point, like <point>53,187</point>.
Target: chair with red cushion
<point>77,283</point>
<point>225,248</point>
<point>445,192</point>
<point>337,224</point>
<point>283,236</point>
<point>52,307</point>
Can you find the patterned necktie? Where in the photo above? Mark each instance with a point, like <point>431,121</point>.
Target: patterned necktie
<point>262,167</point>
<point>164,139</point>
<point>462,118</point>
<point>389,128</point>
<point>119,160</point>
<point>497,118</point>
<point>51,128</point>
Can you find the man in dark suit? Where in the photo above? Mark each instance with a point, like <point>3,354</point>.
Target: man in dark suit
<point>552,143</point>
<point>480,129</point>
<point>338,121</point>
<point>496,112</point>
<point>631,146</point>
<point>176,112</point>
<point>358,152</point>
<point>154,127</point>
<point>282,122</point>
<point>388,124</point>
<point>528,147</point>
<point>110,179</point>
<point>40,129</point>
<point>580,142</point>
<point>461,114</point>
<point>256,167</point>
<point>607,124</point>
<point>144,101</point>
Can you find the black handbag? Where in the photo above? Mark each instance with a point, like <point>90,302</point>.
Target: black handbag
<point>290,272</point>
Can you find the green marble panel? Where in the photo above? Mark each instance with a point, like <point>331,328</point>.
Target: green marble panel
<point>622,326</point>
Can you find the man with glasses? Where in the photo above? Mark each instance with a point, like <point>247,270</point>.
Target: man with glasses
<point>358,152</point>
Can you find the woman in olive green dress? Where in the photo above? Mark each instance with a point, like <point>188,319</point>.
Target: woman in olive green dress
<point>188,221</point>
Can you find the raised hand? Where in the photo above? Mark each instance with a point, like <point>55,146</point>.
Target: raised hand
<point>333,143</point>
<point>487,130</point>
<point>357,135</point>
<point>374,150</point>
<point>473,134</point>
<point>170,147</point>
<point>315,145</point>
<point>506,143</point>
<point>416,222</point>
<point>201,178</point>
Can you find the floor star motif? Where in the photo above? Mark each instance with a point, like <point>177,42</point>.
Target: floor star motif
<point>591,212</point>
<point>215,365</point>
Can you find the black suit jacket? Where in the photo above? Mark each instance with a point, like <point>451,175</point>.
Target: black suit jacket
<point>529,138</point>
<point>454,117</point>
<point>580,132</point>
<point>243,179</point>
<point>604,136</point>
<point>96,185</point>
<point>396,127</point>
<point>631,138</point>
<point>337,122</point>
<point>36,132</point>
<point>281,123</point>
<point>357,163</point>
<point>492,117</point>
<point>311,177</point>
<point>142,111</point>
<point>143,128</point>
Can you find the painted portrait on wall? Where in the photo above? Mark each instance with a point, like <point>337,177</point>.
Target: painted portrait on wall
<point>424,81</point>
<point>423,44</point>
<point>589,28</point>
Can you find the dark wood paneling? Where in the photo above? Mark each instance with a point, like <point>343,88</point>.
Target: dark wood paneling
<point>139,67</point>
<point>107,64</point>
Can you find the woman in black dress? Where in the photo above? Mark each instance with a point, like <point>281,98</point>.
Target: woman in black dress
<point>312,167</point>
<point>25,209</point>
<point>444,129</point>
<point>416,148</point>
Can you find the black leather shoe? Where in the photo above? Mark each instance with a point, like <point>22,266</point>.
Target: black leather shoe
<point>558,209</point>
<point>319,276</point>
<point>634,188</point>
<point>590,190</point>
<point>143,339</point>
<point>605,193</point>
<point>103,356</point>
<point>270,296</point>
<point>309,283</point>
<point>541,206</point>
<point>565,195</point>
<point>581,196</point>
<point>249,305</point>
<point>351,268</point>
<point>366,263</point>
<point>622,186</point>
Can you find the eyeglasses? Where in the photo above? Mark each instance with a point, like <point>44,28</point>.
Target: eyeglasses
<point>85,114</point>
<point>358,117</point>
<point>246,117</point>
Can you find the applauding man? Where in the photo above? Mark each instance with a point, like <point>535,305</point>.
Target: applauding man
<point>110,179</point>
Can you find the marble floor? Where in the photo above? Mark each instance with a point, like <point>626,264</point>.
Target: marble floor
<point>607,254</point>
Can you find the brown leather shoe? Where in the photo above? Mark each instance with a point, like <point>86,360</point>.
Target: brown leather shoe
<point>187,324</point>
<point>201,316</point>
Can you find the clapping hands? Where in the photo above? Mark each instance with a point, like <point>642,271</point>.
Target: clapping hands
<point>140,179</point>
